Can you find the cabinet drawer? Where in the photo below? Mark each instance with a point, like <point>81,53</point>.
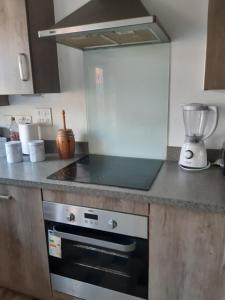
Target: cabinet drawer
<point>100,202</point>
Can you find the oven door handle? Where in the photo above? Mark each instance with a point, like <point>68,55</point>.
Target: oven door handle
<point>95,242</point>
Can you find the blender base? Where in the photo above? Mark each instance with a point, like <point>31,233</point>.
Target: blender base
<point>195,169</point>
<point>193,156</point>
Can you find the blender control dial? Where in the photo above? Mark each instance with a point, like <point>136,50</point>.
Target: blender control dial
<point>189,154</point>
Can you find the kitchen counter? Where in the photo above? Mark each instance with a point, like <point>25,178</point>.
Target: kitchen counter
<point>200,190</point>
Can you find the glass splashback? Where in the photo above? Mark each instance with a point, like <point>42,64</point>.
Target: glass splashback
<point>127,100</point>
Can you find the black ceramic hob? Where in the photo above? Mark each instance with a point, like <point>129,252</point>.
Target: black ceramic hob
<point>132,173</point>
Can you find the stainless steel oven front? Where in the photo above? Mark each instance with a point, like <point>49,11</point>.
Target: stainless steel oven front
<point>96,254</point>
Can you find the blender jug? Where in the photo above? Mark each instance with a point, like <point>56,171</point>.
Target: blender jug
<point>196,118</point>
<point>198,127</point>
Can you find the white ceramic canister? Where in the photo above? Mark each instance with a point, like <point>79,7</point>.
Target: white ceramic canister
<point>3,140</point>
<point>36,151</point>
<point>13,152</point>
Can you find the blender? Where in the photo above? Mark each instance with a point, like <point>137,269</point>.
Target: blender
<point>197,119</point>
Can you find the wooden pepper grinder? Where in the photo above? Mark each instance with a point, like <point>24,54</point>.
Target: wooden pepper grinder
<point>65,141</point>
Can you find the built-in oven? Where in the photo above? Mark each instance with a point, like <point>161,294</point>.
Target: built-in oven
<point>97,254</point>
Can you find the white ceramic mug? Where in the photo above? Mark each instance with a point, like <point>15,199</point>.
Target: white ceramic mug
<point>14,152</point>
<point>36,150</point>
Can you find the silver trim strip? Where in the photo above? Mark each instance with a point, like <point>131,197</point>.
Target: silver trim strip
<point>94,242</point>
<point>5,197</point>
<point>102,251</point>
<point>102,269</point>
<point>86,291</point>
<point>97,26</point>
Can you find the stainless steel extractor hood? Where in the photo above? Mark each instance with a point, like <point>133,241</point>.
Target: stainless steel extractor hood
<point>107,23</point>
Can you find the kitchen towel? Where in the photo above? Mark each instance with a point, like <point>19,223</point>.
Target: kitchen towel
<point>28,132</point>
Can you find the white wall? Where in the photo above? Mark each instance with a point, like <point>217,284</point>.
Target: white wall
<point>186,23</point>
<point>72,98</point>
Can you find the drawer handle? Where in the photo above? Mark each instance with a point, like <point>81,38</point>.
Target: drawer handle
<point>5,197</point>
<point>23,67</point>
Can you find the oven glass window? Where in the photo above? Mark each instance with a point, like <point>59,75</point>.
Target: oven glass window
<point>104,259</point>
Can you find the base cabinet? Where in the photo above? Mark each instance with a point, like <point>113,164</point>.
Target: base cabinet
<point>186,250</point>
<point>23,251</point>
<point>187,259</point>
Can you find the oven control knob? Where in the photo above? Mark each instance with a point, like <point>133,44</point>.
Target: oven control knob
<point>71,217</point>
<point>112,224</point>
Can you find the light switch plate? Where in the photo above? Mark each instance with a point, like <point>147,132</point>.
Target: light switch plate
<point>44,116</point>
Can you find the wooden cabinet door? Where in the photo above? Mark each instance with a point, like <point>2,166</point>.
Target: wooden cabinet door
<point>187,259</point>
<point>23,250</point>
<point>215,58</point>
<point>15,65</point>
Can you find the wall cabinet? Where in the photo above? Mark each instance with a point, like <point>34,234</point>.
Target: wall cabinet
<point>23,250</point>
<point>28,65</point>
<point>186,254</point>
<point>215,59</point>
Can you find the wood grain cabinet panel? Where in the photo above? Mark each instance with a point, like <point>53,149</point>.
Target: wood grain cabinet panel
<point>28,65</point>
<point>186,254</point>
<point>59,296</point>
<point>23,250</point>
<point>215,59</point>
<point>14,44</point>
<point>98,202</point>
<point>9,295</point>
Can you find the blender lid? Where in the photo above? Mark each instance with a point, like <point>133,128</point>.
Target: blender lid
<point>195,107</point>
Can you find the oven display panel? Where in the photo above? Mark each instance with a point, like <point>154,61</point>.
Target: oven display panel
<point>91,217</point>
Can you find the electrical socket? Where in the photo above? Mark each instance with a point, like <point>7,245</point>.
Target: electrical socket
<point>19,119</point>
<point>23,119</point>
<point>7,120</point>
<point>44,116</point>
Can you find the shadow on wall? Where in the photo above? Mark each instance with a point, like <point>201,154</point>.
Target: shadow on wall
<point>70,69</point>
<point>178,17</point>
<point>218,138</point>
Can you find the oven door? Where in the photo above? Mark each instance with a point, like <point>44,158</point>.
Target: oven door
<point>93,264</point>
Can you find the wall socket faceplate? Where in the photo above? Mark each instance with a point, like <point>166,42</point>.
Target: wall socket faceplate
<point>23,119</point>
<point>44,116</point>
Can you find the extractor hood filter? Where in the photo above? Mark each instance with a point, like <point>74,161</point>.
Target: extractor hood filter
<point>107,23</point>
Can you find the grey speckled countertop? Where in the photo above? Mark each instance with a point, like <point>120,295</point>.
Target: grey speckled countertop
<point>201,190</point>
